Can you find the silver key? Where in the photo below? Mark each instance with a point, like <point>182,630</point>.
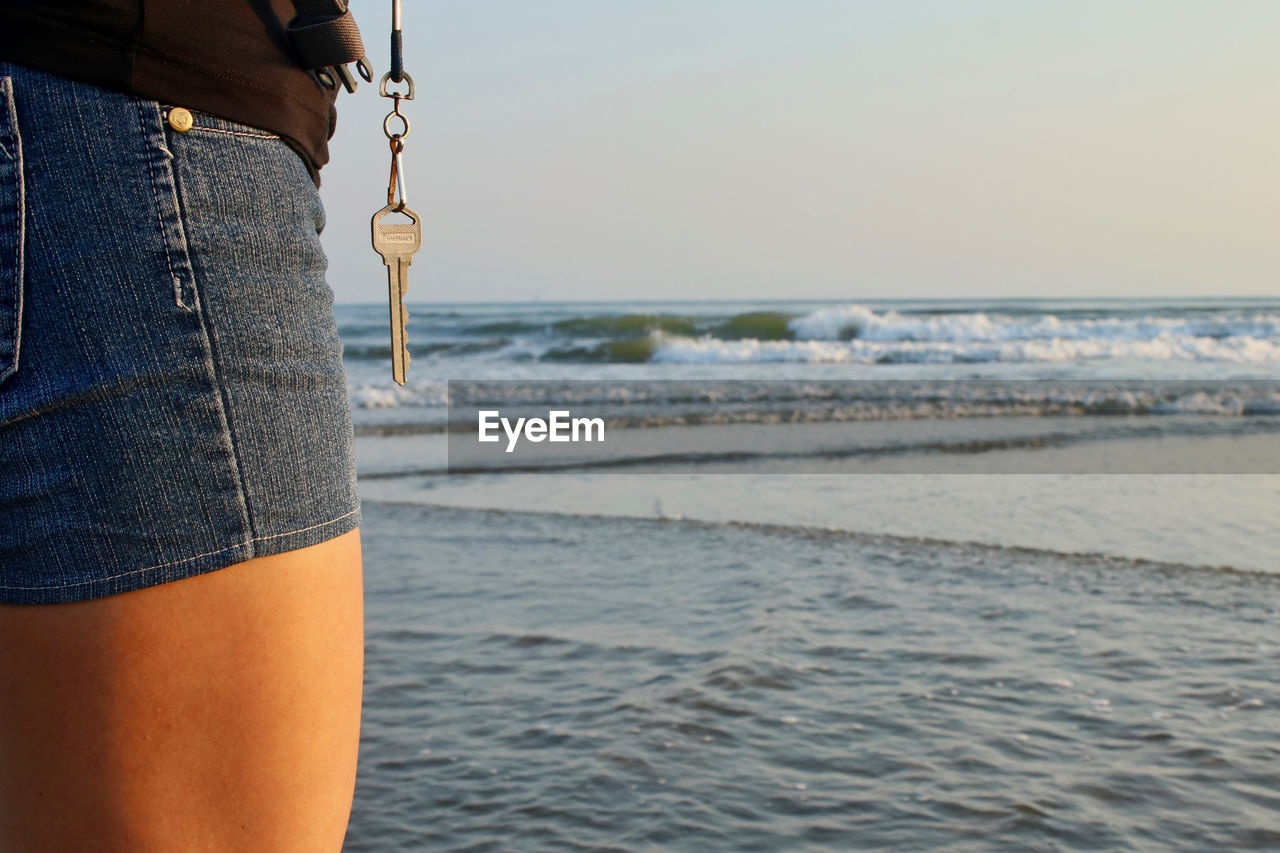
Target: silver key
<point>397,243</point>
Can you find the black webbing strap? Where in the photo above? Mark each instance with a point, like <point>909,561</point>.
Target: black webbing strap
<point>397,57</point>
<point>324,34</point>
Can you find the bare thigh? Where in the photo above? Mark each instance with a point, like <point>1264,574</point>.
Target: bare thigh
<point>217,713</point>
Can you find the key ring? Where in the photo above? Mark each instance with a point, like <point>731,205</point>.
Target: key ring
<point>386,123</point>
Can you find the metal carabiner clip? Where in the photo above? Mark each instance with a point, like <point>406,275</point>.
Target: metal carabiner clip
<point>395,186</point>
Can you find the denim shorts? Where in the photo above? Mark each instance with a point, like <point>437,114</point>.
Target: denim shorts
<point>172,394</point>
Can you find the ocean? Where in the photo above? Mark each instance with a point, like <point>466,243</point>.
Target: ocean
<point>876,575</point>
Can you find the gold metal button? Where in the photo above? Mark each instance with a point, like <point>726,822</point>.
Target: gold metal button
<point>180,119</point>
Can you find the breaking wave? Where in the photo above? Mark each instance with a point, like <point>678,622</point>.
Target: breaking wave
<point>850,333</point>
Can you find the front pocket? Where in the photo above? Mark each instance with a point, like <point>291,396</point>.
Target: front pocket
<point>12,231</point>
<point>210,123</point>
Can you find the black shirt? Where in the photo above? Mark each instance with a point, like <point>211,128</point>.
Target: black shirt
<point>226,57</point>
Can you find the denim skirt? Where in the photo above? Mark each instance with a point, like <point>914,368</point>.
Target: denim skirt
<point>172,394</point>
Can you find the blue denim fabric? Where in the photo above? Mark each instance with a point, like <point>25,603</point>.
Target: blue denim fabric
<point>172,394</point>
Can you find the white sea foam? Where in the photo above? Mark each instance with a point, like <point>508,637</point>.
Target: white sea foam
<point>709,350</point>
<point>368,396</point>
<point>973,340</point>
<point>1202,403</point>
<point>837,323</point>
<point>858,321</point>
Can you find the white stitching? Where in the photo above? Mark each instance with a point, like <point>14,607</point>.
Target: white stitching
<point>196,557</point>
<point>235,132</point>
<point>155,196</point>
<point>9,104</point>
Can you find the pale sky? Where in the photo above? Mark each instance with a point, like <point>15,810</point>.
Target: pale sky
<point>838,149</point>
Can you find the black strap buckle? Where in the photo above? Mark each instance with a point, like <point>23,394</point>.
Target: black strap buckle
<point>325,39</point>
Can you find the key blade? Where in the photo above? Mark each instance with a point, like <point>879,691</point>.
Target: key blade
<point>398,285</point>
